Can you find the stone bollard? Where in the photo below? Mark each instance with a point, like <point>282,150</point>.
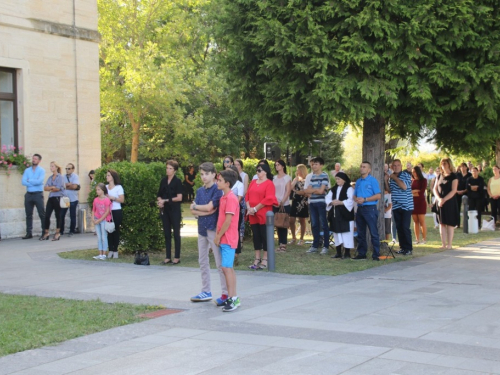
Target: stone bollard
<point>465,201</point>
<point>270,241</point>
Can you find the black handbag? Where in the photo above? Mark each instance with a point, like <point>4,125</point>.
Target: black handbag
<point>141,258</point>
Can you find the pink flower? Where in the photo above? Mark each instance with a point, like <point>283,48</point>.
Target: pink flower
<point>10,165</point>
<point>15,155</point>
<point>2,157</point>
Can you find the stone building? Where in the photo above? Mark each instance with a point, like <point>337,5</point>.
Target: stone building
<point>49,94</point>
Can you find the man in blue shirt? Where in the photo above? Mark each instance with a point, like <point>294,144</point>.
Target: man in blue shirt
<point>33,180</point>
<point>367,194</point>
<point>399,184</point>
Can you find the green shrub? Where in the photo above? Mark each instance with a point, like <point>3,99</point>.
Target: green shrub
<point>486,174</point>
<point>141,228</point>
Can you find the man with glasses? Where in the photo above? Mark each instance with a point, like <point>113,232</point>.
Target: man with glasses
<point>72,184</point>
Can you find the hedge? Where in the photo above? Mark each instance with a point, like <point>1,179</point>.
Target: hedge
<point>141,228</point>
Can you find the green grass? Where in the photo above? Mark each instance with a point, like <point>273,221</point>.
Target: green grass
<point>29,322</point>
<point>295,261</point>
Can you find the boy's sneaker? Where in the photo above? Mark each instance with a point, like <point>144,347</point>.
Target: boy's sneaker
<point>312,250</point>
<point>219,302</point>
<point>231,305</point>
<point>103,257</point>
<point>97,257</point>
<point>202,297</point>
<point>324,251</point>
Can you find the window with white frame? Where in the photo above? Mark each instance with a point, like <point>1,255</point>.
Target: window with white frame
<point>8,107</point>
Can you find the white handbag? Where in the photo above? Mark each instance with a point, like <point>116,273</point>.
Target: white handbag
<point>64,202</point>
<point>488,225</point>
<point>109,226</point>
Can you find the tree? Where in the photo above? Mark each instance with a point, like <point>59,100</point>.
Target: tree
<point>396,65</point>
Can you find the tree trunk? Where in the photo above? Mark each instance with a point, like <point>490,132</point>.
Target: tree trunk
<point>497,152</point>
<point>134,154</point>
<point>374,152</point>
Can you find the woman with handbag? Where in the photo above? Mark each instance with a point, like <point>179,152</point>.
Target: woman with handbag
<point>340,207</point>
<point>283,185</point>
<point>117,196</point>
<point>169,199</point>
<point>260,198</point>
<point>55,185</point>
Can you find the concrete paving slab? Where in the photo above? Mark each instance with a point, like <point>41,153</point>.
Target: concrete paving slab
<point>432,315</point>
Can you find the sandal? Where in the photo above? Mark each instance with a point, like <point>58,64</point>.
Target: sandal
<point>263,266</point>
<point>291,242</point>
<point>281,249</point>
<point>255,265</point>
<point>300,242</point>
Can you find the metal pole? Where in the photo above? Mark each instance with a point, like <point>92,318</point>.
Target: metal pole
<point>270,240</point>
<point>465,201</point>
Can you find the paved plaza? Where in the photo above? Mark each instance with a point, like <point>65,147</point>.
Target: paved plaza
<point>433,315</point>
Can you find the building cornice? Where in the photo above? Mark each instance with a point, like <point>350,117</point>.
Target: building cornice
<point>53,28</point>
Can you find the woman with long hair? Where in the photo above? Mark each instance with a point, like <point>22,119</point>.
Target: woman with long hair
<point>55,185</point>
<point>282,184</point>
<point>260,198</point>
<point>445,191</point>
<point>169,199</point>
<point>494,192</point>
<point>418,188</point>
<point>299,208</point>
<point>117,196</point>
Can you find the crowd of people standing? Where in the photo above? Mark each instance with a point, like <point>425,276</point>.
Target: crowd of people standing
<point>340,211</point>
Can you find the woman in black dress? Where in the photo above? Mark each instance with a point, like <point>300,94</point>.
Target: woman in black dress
<point>475,193</point>
<point>445,191</point>
<point>169,201</point>
<point>299,204</point>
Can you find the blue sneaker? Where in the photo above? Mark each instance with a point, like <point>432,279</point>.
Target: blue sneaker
<point>219,302</point>
<point>202,297</point>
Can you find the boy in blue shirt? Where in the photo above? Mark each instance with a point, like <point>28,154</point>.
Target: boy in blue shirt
<point>205,208</point>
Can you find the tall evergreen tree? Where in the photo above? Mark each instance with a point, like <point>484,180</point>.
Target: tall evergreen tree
<point>397,65</point>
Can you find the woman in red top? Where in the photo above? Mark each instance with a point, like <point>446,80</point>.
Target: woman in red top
<point>260,198</point>
<point>418,188</point>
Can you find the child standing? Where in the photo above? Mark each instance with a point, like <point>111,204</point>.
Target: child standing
<point>228,234</point>
<point>205,207</point>
<point>101,209</point>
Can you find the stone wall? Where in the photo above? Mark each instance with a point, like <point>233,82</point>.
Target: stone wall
<point>53,45</point>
